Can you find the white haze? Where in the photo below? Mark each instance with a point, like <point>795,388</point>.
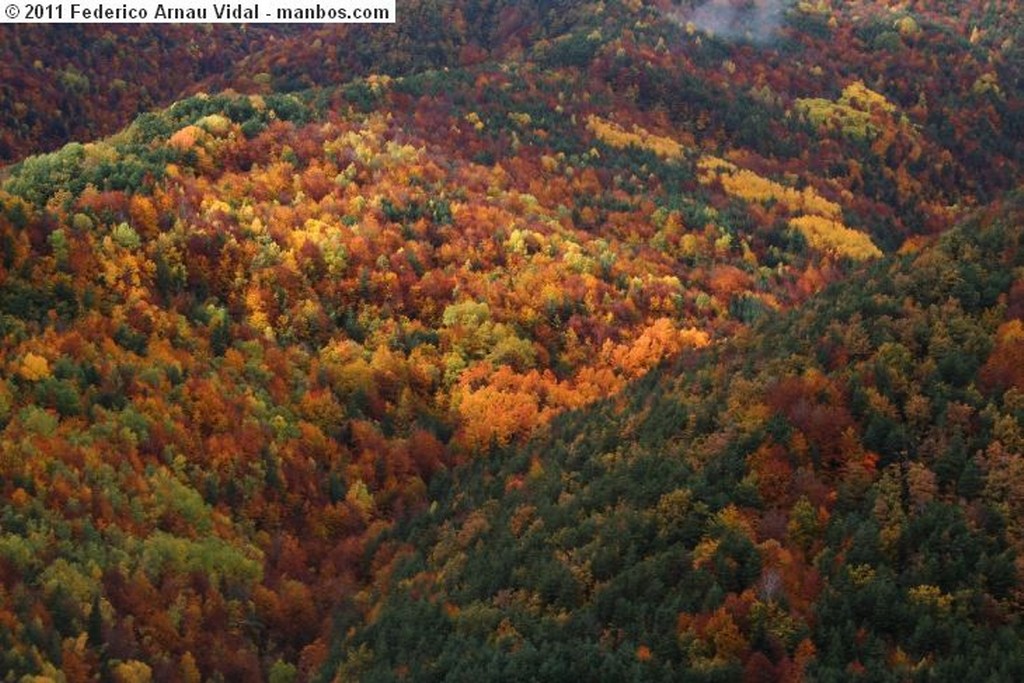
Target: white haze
<point>754,20</point>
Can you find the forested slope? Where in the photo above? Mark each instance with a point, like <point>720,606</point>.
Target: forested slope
<point>831,495</point>
<point>520,338</point>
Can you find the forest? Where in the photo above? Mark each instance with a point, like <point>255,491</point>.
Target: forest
<point>622,340</point>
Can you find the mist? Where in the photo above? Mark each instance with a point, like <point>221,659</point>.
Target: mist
<point>756,21</point>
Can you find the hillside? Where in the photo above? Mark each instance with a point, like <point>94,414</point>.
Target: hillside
<point>60,83</point>
<point>515,331</point>
<point>832,495</point>
<point>63,82</point>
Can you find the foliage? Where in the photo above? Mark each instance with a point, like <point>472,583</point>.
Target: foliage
<point>743,512</point>
<point>566,342</point>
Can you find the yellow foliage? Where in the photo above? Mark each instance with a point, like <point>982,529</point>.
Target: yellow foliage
<point>930,595</point>
<point>907,26</point>
<point>829,235</point>
<point>359,497</point>
<point>988,82</point>
<point>861,575</point>
<point>749,186</point>
<point>859,96</point>
<point>851,113</point>
<point>726,637</point>
<point>814,8</point>
<point>379,82</point>
<point>616,136</point>
<point>133,671</point>
<point>704,551</point>
<point>189,670</point>
<point>217,124</point>
<point>825,112</point>
<point>99,153</point>
<point>474,120</point>
<point>710,166</point>
<point>34,367</point>
<point>731,518</point>
<point>254,303</point>
<point>521,119</point>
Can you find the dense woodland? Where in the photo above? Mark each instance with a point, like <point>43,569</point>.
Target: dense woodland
<point>516,340</point>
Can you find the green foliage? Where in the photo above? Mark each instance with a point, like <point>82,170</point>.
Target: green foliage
<point>125,236</point>
<point>38,178</point>
<point>576,50</point>
<point>38,421</point>
<point>282,672</point>
<point>163,554</point>
<point>625,525</point>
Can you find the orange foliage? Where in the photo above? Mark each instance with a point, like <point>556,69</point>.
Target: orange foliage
<point>185,138</point>
<point>657,341</point>
<point>727,280</point>
<point>1005,366</point>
